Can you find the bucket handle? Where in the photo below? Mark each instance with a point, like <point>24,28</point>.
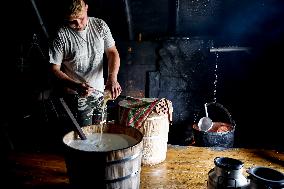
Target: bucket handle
<point>222,107</point>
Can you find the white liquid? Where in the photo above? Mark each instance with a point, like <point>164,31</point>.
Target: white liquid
<point>103,142</point>
<point>102,121</point>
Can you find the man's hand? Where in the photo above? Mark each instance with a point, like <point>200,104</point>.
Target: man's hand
<point>114,87</point>
<point>84,89</point>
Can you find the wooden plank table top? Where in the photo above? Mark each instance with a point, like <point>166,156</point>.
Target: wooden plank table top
<point>184,167</point>
<point>188,167</point>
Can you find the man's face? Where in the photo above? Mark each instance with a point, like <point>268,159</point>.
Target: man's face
<point>79,22</point>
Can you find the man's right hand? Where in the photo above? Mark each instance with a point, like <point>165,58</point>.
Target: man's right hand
<point>84,90</point>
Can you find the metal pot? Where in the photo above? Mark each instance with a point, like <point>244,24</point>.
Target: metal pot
<point>265,178</point>
<point>214,138</point>
<point>227,173</point>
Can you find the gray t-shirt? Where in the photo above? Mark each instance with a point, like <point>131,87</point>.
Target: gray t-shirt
<point>81,53</point>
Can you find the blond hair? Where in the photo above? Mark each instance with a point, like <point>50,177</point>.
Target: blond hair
<point>74,8</point>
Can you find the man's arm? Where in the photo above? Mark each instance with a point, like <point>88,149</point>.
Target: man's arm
<point>113,68</point>
<point>82,88</point>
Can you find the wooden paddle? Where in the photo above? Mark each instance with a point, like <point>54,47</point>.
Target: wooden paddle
<point>77,126</point>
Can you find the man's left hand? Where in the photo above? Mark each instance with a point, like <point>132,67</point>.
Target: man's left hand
<point>114,87</point>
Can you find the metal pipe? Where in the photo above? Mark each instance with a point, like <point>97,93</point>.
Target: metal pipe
<point>229,49</point>
<point>177,30</point>
<point>39,18</point>
<point>128,17</point>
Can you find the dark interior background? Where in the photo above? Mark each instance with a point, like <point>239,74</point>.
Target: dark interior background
<point>165,52</point>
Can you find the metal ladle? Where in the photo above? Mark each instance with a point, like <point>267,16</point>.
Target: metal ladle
<point>205,123</point>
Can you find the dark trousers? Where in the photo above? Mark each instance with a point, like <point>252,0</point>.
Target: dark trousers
<point>87,110</point>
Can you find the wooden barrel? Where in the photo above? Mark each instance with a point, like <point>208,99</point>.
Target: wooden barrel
<point>104,169</point>
<point>155,131</point>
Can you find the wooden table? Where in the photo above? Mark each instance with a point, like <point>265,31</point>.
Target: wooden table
<point>184,167</point>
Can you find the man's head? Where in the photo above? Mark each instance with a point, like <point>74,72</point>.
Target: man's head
<point>76,14</point>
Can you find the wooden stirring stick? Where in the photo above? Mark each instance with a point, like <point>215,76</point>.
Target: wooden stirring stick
<point>77,126</point>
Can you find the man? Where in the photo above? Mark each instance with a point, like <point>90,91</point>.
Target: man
<point>76,57</point>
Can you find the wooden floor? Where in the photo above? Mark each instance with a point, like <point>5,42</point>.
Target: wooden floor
<point>185,167</point>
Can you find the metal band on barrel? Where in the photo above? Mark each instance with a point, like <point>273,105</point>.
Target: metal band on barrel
<point>125,159</point>
<point>123,178</point>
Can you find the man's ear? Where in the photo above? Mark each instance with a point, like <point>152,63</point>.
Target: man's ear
<point>87,7</point>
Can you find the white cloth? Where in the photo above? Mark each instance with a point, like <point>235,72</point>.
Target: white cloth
<point>81,53</point>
